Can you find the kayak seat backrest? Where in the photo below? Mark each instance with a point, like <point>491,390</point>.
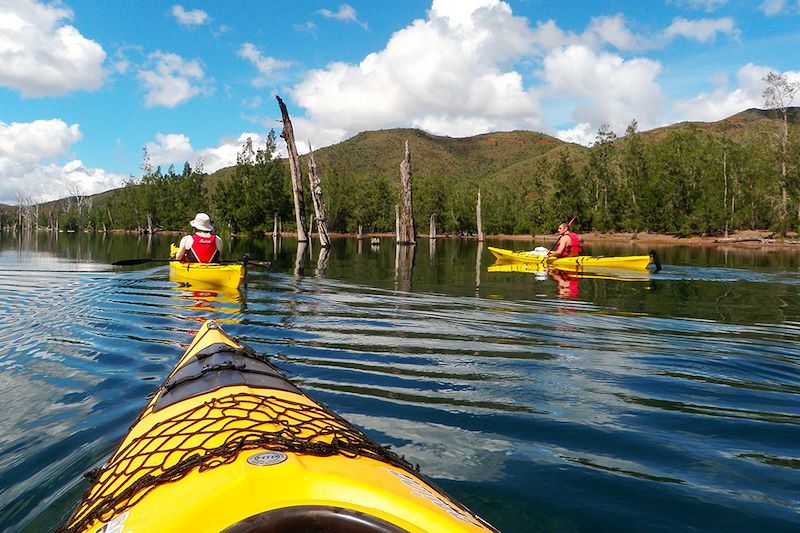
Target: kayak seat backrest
<point>217,366</point>
<point>313,519</point>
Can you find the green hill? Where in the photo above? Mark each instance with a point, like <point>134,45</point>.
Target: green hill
<point>480,158</point>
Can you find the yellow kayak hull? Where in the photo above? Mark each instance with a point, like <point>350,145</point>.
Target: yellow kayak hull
<point>240,445</point>
<point>208,275</point>
<point>579,263</point>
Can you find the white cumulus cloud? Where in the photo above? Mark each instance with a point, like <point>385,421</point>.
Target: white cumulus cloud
<point>267,67</point>
<point>614,31</point>
<point>705,5</point>
<point>196,17</point>
<point>582,133</point>
<point>40,55</point>
<point>172,80</point>
<point>33,142</point>
<point>170,148</point>
<point>448,74</point>
<point>35,161</point>
<point>772,8</point>
<point>346,13</point>
<point>723,102</point>
<point>703,30</point>
<point>176,149</point>
<point>607,88</point>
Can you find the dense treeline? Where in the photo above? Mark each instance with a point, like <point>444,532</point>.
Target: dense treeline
<point>686,179</point>
<point>258,193</point>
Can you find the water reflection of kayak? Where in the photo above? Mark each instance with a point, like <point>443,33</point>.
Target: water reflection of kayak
<point>581,262</point>
<point>221,300</point>
<point>541,271</point>
<point>228,444</point>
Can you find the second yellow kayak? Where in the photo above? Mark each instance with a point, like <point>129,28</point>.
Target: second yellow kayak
<point>210,275</point>
<point>581,262</point>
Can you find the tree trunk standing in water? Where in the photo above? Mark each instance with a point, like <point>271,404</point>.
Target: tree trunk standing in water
<point>478,215</point>
<point>406,232</point>
<point>297,176</point>
<point>432,231</point>
<point>316,198</point>
<point>779,95</point>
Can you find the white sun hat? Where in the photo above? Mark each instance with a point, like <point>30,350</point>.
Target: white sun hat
<point>202,222</point>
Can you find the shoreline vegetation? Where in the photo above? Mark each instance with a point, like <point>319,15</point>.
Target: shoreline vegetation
<point>740,238</point>
<point>737,239</point>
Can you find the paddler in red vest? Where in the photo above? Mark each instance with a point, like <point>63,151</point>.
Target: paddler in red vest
<point>202,246</point>
<point>568,244</point>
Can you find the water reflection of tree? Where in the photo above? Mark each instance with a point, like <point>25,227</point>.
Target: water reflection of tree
<point>322,262</point>
<point>478,267</point>
<point>404,266</point>
<point>300,258</point>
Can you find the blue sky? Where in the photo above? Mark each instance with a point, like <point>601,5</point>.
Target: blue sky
<point>86,85</point>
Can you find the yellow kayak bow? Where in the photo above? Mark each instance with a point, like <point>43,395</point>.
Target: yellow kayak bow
<point>228,444</point>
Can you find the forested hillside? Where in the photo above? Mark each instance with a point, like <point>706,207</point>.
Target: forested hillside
<point>684,179</point>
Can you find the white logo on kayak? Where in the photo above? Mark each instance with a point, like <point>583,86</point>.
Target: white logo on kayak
<point>267,458</point>
<point>117,525</point>
<point>417,489</point>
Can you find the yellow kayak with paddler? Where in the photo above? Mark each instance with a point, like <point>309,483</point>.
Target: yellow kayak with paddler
<point>228,444</point>
<point>224,275</point>
<point>581,262</point>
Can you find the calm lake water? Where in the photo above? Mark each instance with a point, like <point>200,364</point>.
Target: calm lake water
<point>670,402</point>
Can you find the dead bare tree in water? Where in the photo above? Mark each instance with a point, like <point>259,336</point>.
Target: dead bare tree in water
<point>316,198</point>
<point>478,217</point>
<point>297,175</point>
<point>406,230</point>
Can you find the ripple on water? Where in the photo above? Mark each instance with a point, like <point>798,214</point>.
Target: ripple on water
<point>581,414</point>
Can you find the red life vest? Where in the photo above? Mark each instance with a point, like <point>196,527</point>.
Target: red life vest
<point>204,249</point>
<point>575,247</point>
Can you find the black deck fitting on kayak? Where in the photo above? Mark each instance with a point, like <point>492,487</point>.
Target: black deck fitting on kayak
<point>314,518</point>
<point>217,366</point>
<point>654,255</point>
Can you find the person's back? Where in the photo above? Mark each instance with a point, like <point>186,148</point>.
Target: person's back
<point>202,246</point>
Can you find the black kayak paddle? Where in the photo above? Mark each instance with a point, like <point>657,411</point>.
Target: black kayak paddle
<point>140,261</point>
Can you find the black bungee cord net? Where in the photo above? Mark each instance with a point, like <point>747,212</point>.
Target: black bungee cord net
<point>213,434</point>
